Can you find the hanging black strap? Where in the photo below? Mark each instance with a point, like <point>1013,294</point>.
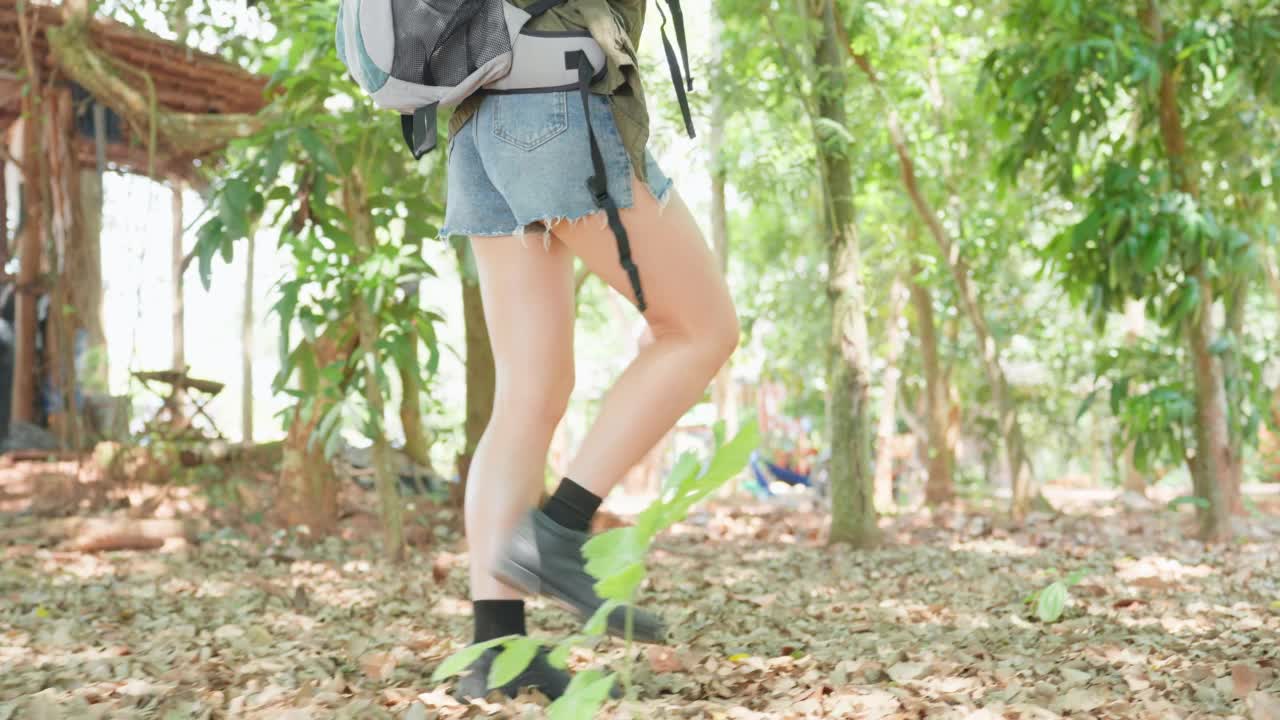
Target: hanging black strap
<point>598,183</point>
<point>419,130</point>
<point>674,65</point>
<point>677,19</point>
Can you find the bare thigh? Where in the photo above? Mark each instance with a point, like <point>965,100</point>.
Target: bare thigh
<point>683,287</point>
<point>527,293</point>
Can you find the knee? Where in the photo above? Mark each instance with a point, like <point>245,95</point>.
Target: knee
<point>714,337</point>
<point>534,404</point>
<point>724,340</point>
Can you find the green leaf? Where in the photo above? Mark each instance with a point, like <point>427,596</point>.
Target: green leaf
<point>599,620</point>
<point>1051,601</point>
<point>587,691</point>
<point>515,657</point>
<point>317,149</point>
<point>612,551</point>
<point>559,656</point>
<point>1202,503</point>
<point>274,159</point>
<point>233,207</point>
<point>462,659</point>
<point>623,584</point>
<point>1076,576</point>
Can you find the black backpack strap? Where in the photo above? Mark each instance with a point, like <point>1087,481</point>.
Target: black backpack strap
<point>677,18</point>
<point>419,130</point>
<point>598,183</point>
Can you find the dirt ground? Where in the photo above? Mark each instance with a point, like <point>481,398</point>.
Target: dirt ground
<point>769,621</point>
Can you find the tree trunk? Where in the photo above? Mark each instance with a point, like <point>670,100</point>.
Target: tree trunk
<point>722,391</point>
<point>853,512</point>
<point>65,226</point>
<point>246,347</point>
<point>1236,297</point>
<point>895,338</point>
<point>31,242</point>
<point>940,445</point>
<point>356,206</point>
<point>1135,325</point>
<point>1272,273</point>
<point>481,374</point>
<point>1211,473</point>
<point>1019,464</point>
<point>417,441</point>
<point>308,490</point>
<point>87,292</point>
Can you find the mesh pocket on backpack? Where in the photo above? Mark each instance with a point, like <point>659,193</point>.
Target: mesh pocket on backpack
<point>441,42</point>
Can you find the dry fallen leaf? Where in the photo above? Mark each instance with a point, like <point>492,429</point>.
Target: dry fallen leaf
<point>1263,706</point>
<point>1244,680</point>
<point>664,659</point>
<point>378,666</point>
<point>905,672</point>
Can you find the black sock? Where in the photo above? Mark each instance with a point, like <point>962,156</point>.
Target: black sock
<point>572,506</point>
<point>498,618</point>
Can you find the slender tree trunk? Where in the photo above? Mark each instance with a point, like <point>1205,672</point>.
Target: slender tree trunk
<point>1010,429</point>
<point>307,493</point>
<point>895,338</point>
<point>1235,305</point>
<point>1273,275</point>
<point>356,206</point>
<point>87,292</point>
<point>246,346</point>
<point>65,227</point>
<point>417,441</point>
<point>1135,325</point>
<point>940,445</point>
<point>853,512</point>
<point>34,227</point>
<point>722,390</point>
<point>481,374</point>
<point>1211,471</point>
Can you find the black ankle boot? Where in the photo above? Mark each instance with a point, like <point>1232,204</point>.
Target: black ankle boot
<point>541,675</point>
<point>544,558</point>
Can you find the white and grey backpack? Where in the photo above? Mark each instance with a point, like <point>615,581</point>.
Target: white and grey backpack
<point>417,56</point>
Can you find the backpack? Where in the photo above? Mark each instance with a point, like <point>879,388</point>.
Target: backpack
<point>418,56</point>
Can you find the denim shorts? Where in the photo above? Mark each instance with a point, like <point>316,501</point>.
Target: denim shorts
<point>524,159</point>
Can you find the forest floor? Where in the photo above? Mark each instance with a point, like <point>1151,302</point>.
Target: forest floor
<point>769,622</point>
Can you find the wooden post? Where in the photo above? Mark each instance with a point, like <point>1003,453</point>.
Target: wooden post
<point>29,251</point>
<point>246,350</point>
<point>179,335</point>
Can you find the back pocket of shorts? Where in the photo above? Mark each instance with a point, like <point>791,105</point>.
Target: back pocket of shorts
<point>529,120</point>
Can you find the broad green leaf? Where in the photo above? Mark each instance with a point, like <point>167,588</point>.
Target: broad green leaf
<point>599,621</point>
<point>318,150</point>
<point>587,691</point>
<point>559,656</point>
<point>612,551</point>
<point>622,585</point>
<point>462,659</point>
<point>1051,601</point>
<point>1202,503</point>
<point>513,659</point>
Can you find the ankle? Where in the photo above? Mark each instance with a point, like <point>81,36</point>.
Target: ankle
<point>572,506</point>
<point>497,618</point>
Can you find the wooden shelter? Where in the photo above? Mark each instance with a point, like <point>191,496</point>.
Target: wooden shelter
<point>79,96</point>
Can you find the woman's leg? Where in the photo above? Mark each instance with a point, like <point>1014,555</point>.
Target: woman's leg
<point>527,294</point>
<point>691,317</point>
